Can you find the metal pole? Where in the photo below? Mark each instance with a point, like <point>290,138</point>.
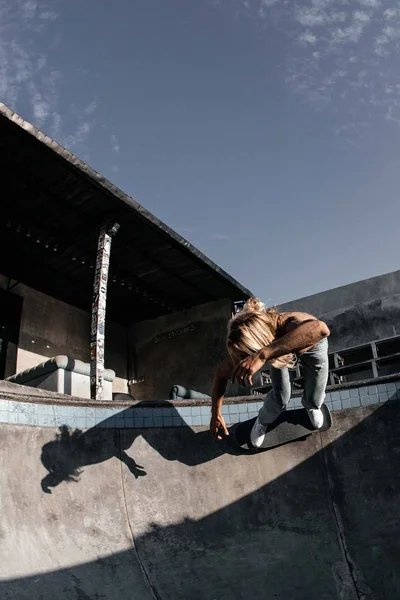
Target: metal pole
<point>99,312</point>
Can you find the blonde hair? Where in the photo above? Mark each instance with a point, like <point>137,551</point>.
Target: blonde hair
<point>253,328</point>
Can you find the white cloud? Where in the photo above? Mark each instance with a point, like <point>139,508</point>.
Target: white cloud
<point>115,168</point>
<point>28,75</point>
<point>343,56</point>
<point>91,108</point>
<point>391,13</point>
<point>307,37</point>
<point>311,17</point>
<point>114,143</point>
<point>371,3</point>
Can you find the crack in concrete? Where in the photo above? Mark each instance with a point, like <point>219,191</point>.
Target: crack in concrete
<point>134,546</point>
<point>361,595</point>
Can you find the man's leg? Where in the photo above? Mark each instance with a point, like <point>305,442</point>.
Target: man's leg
<point>275,402</point>
<point>316,371</point>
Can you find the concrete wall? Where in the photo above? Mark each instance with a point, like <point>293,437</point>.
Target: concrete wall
<point>357,313</point>
<point>189,358</point>
<point>50,327</point>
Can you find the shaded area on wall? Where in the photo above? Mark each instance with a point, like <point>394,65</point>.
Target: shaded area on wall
<point>358,313</point>
<point>190,358</point>
<point>49,327</point>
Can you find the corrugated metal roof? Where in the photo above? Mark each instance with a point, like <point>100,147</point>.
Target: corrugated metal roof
<point>53,206</point>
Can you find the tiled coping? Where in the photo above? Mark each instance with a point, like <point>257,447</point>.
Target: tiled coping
<point>24,409</point>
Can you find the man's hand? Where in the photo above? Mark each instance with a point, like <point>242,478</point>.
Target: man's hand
<point>217,427</point>
<point>247,367</point>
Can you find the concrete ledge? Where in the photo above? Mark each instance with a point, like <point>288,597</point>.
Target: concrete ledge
<point>63,375</point>
<point>22,409</point>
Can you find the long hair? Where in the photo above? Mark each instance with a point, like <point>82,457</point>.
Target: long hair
<point>254,328</point>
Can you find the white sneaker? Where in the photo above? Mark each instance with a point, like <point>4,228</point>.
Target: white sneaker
<point>257,433</point>
<point>316,417</point>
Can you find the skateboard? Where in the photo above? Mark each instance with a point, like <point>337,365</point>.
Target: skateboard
<point>291,425</point>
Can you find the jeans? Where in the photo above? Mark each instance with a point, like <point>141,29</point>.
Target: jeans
<point>315,372</point>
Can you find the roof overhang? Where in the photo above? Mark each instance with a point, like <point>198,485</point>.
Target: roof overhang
<point>53,207</point>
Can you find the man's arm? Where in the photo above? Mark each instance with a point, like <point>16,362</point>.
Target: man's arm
<point>302,333</point>
<point>222,376</point>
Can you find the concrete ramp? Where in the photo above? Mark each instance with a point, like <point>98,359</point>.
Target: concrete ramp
<point>168,514</point>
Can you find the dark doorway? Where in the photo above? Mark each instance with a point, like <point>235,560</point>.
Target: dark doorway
<point>10,321</point>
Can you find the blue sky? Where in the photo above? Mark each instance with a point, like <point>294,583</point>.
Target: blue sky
<point>266,132</point>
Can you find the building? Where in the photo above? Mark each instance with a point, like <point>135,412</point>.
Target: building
<point>364,319</point>
<point>167,303</point>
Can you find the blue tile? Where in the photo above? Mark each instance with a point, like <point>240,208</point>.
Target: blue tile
<point>206,410</point>
<point>4,405</point>
<point>158,422</point>
<point>243,417</point>
<point>336,405</point>
<point>168,412</point>
<point>243,408</point>
<point>148,422</point>
<point>197,420</point>
<point>392,395</point>
<point>397,384</point>
<point>185,411</point>
<point>364,400</point>
<point>28,408</point>
<point>22,419</point>
<point>177,422</point>
<point>381,388</point>
<point>344,395</point>
<point>335,396</point>
<point>196,411</point>
<point>3,416</point>
<point>188,420</point>
<point>90,422</point>
<point>383,397</point>
<point>259,405</point>
<point>390,387</point>
<point>129,421</point>
<point>13,418</point>
<point>328,397</point>
<point>13,406</point>
<point>224,411</point>
<point>233,409</point>
<point>157,412</point>
<point>205,420</point>
<point>372,389</point>
<point>373,399</point>
<point>346,403</point>
<point>90,412</point>
<point>138,412</point>
<point>167,421</point>
<point>253,415</point>
<point>81,422</point>
<point>138,421</point>
<point>354,393</point>
<point>356,402</point>
<point>297,402</point>
<point>109,423</point>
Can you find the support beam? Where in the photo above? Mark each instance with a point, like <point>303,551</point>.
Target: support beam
<point>97,341</point>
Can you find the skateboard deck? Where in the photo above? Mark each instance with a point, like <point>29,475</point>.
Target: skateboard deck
<point>290,426</point>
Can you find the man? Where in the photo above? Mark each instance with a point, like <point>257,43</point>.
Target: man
<point>257,335</point>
